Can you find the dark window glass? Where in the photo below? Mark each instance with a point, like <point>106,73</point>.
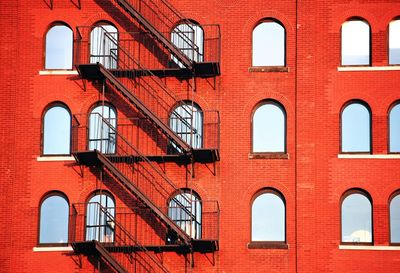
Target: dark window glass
<point>356,128</point>
<point>356,219</point>
<point>268,218</point>
<point>54,212</point>
<point>269,44</point>
<point>102,129</point>
<point>269,126</point>
<point>59,41</point>
<point>100,216</point>
<point>56,131</point>
<point>355,43</point>
<point>185,210</point>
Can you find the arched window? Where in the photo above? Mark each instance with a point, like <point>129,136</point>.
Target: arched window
<point>394,42</point>
<point>104,45</point>
<point>54,214</point>
<point>59,44</point>
<point>102,129</point>
<point>394,129</point>
<point>395,218</point>
<point>356,42</point>
<point>268,215</point>
<point>185,210</point>
<point>100,215</point>
<point>56,130</point>
<point>356,217</point>
<point>269,128</point>
<point>356,128</point>
<point>269,44</point>
<point>189,38</point>
<point>187,121</point>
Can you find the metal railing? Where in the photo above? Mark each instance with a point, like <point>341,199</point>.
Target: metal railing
<point>142,134</point>
<point>90,220</point>
<point>150,90</point>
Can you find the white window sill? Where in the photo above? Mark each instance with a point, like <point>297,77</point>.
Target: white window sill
<point>369,156</point>
<point>369,68</point>
<point>58,72</point>
<point>55,158</point>
<point>353,247</point>
<point>52,248</point>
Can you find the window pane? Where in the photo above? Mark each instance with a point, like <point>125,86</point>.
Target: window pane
<point>59,48</point>
<point>104,46</point>
<point>189,39</point>
<point>395,220</point>
<point>356,135</point>
<point>269,129</point>
<point>268,218</point>
<point>269,44</point>
<point>394,119</point>
<point>54,220</point>
<point>102,137</point>
<point>57,131</point>
<point>187,121</point>
<point>185,210</point>
<point>355,43</point>
<point>394,42</point>
<point>100,218</point>
<point>356,219</point>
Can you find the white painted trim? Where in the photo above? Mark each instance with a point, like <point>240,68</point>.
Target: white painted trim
<point>55,158</point>
<point>354,247</point>
<point>52,248</point>
<point>58,72</point>
<point>368,156</point>
<point>369,68</point>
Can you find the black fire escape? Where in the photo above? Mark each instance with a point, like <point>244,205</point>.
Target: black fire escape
<point>121,69</point>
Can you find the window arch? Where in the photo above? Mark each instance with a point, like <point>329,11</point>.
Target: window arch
<point>54,216</point>
<point>102,129</point>
<point>394,208</point>
<point>356,40</point>
<point>356,128</point>
<point>104,45</point>
<point>100,215</point>
<point>189,38</point>
<point>185,209</point>
<point>268,217</point>
<point>394,128</point>
<point>59,46</point>
<point>394,41</point>
<point>269,38</point>
<point>269,128</point>
<point>56,126</point>
<point>356,217</point>
<point>187,121</point>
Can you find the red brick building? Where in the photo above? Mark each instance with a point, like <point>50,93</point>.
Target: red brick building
<point>179,136</point>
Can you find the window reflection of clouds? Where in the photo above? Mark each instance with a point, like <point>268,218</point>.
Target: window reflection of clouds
<point>355,43</point>
<point>394,42</point>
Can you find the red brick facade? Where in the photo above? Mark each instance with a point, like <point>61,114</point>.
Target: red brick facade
<point>313,178</point>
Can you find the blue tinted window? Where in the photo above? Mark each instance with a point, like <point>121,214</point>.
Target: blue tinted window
<point>394,129</point>
<point>268,218</point>
<point>269,44</point>
<point>54,213</point>
<point>59,43</point>
<point>394,42</point>
<point>269,128</point>
<point>57,131</point>
<point>395,219</point>
<point>356,128</point>
<point>355,43</point>
<point>356,219</point>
